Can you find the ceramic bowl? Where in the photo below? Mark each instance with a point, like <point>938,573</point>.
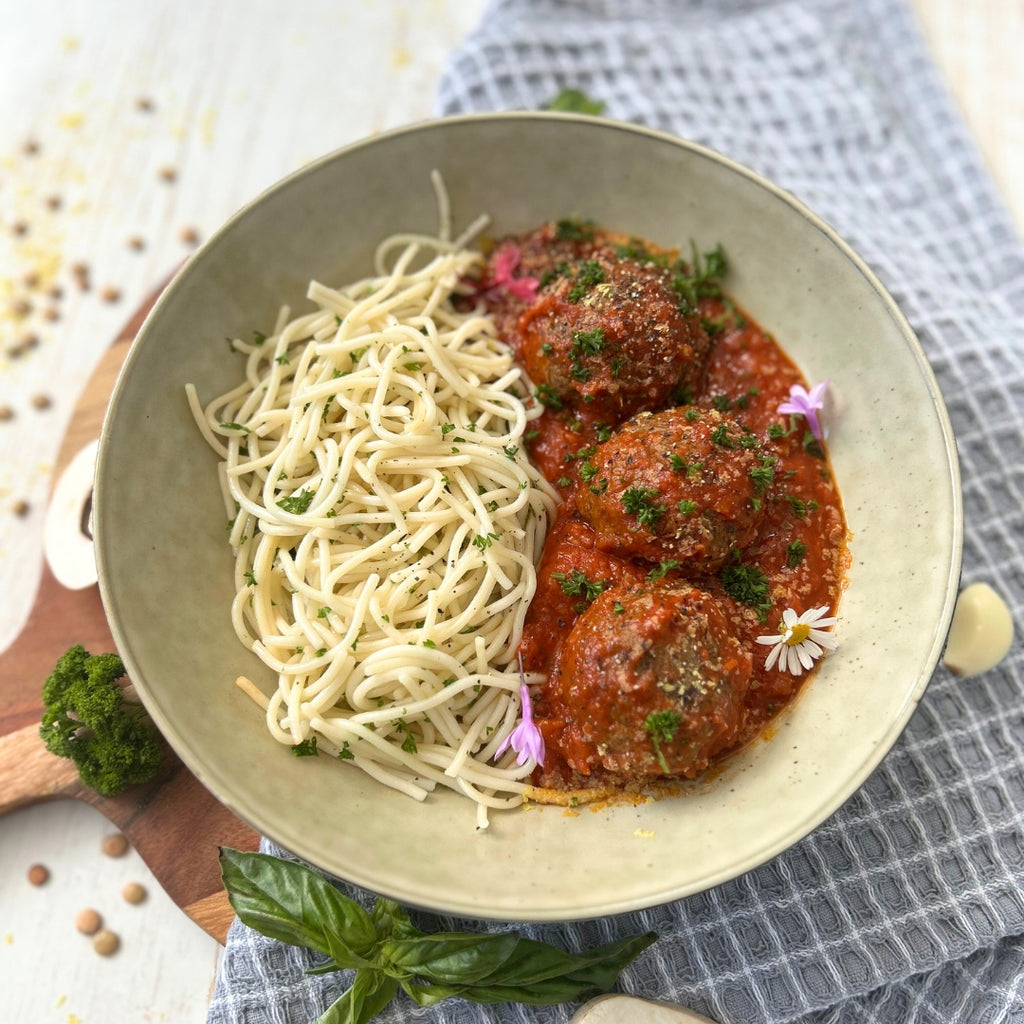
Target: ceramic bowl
<point>166,571</point>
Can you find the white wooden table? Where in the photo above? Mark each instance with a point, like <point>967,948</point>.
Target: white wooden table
<point>125,130</point>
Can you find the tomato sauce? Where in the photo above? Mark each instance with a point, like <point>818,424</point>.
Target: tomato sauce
<point>605,605</point>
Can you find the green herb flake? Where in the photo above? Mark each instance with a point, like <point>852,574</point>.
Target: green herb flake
<point>307,748</point>
<point>795,552</point>
<point>547,396</point>
<point>588,274</point>
<point>297,504</point>
<point>639,502</point>
<point>575,230</point>
<point>662,726</point>
<point>748,585</point>
<point>576,584</point>
<point>663,570</point>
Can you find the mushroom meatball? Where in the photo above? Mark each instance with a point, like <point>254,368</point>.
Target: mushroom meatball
<point>657,682</point>
<point>681,484</point>
<point>607,336</point>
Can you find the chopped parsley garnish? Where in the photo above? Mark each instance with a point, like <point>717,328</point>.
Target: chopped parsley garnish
<point>297,504</point>
<point>235,426</point>
<point>663,570</point>
<point>639,502</point>
<point>686,507</point>
<point>635,250</point>
<point>484,541</point>
<point>345,754</point>
<point>811,445</point>
<point>250,577</point>
<point>662,726</point>
<point>576,584</point>
<point>589,273</point>
<point>323,611</point>
<point>700,279</point>
<point>573,230</point>
<point>720,436</point>
<point>799,506</point>
<point>307,748</point>
<point>795,552</point>
<point>602,432</point>
<point>763,475</point>
<point>588,343</point>
<point>677,462</point>
<point>618,607</point>
<point>283,359</point>
<point>547,395</point>
<point>748,585</point>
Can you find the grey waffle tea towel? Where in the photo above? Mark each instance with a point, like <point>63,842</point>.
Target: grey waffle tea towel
<point>906,906</point>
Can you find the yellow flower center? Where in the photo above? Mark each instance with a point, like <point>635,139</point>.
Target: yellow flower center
<point>798,634</point>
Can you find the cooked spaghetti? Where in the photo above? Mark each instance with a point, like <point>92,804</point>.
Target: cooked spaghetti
<point>386,525</point>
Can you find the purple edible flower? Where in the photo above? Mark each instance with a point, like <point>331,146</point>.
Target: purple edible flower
<point>807,403</point>
<point>525,739</point>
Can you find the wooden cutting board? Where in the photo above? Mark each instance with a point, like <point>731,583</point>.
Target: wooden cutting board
<point>173,822</point>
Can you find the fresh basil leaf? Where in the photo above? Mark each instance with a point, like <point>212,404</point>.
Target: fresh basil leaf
<point>534,962</point>
<point>371,991</point>
<point>392,921</point>
<point>542,975</point>
<point>328,968</point>
<point>288,901</point>
<point>451,958</point>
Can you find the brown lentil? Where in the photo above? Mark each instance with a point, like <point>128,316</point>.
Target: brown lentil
<point>88,921</point>
<point>38,874</point>
<point>136,243</point>
<point>6,413</point>
<point>21,508</point>
<point>110,294</point>
<point>189,235</point>
<point>114,845</point>
<point>41,402</point>
<point>105,942</point>
<point>133,892</point>
<point>168,174</point>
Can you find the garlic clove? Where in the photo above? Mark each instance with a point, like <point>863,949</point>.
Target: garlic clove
<point>981,633</point>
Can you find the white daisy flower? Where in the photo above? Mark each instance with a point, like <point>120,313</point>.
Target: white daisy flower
<point>800,640</point>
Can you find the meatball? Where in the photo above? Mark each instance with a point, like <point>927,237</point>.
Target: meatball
<point>679,484</point>
<point>656,680</point>
<point>607,337</point>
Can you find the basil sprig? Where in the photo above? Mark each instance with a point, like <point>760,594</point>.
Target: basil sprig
<point>289,902</point>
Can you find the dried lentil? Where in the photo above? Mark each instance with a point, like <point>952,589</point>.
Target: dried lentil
<point>88,921</point>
